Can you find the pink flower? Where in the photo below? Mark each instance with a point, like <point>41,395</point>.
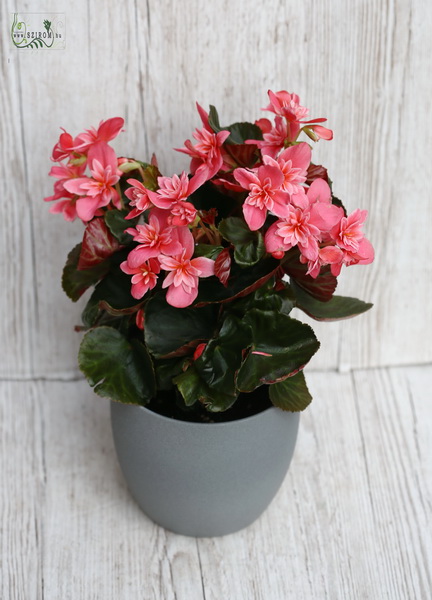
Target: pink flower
<point>296,229</point>
<point>293,162</point>
<point>139,198</point>
<point>66,206</point>
<point>144,277</point>
<point>349,237</point>
<point>274,137</point>
<point>348,232</point>
<point>207,152</point>
<point>65,146</point>
<point>64,173</point>
<point>176,189</point>
<point>106,132</point>
<point>265,194</point>
<point>346,245</point>
<point>96,191</point>
<point>184,272</point>
<point>310,219</point>
<point>286,105</point>
<point>67,200</point>
<point>154,238</point>
<point>328,255</point>
<point>183,213</point>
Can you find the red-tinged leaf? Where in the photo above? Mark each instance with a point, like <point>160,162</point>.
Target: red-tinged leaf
<point>242,155</point>
<point>98,244</point>
<point>184,350</point>
<point>241,283</point>
<point>316,172</point>
<point>223,266</point>
<point>119,312</point>
<point>209,216</point>
<point>322,287</point>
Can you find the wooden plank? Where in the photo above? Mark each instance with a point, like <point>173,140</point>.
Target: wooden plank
<point>22,481</point>
<point>99,544</point>
<point>17,245</point>
<point>350,521</point>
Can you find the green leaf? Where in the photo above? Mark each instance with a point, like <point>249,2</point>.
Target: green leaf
<point>239,132</point>
<point>168,329</point>
<point>75,282</point>
<point>116,222</point>
<point>166,369</point>
<point>193,388</point>
<point>114,289</point>
<point>223,355</point>
<point>291,394</point>
<point>281,346</point>
<point>117,368</point>
<point>208,197</point>
<point>338,307</point>
<point>207,250</point>
<point>249,245</point>
<point>242,281</point>
<point>265,298</point>
<point>150,177</point>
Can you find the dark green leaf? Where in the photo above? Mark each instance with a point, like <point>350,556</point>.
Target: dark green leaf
<point>117,368</point>
<point>338,307</point>
<point>193,388</point>
<point>249,245</point>
<point>209,197</point>
<point>291,394</point>
<point>265,298</point>
<point>223,355</point>
<point>242,282</point>
<point>239,132</point>
<point>75,282</point>
<point>281,346</point>
<point>207,250</point>
<point>114,289</point>
<point>115,219</point>
<point>166,370</point>
<point>167,328</point>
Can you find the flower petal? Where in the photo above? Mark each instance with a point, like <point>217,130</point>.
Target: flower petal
<point>179,298</point>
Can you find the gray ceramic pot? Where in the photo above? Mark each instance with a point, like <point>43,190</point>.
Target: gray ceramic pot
<point>203,479</point>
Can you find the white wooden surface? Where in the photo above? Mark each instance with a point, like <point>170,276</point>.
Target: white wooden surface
<point>364,65</point>
<point>351,521</point>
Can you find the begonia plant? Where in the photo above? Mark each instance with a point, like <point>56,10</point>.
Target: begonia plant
<point>194,276</point>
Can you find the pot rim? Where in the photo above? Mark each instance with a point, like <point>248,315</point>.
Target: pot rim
<point>181,422</point>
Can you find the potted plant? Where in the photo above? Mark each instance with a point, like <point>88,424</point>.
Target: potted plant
<point>188,327</point>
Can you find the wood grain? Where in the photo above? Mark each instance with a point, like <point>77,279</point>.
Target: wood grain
<point>364,66</point>
<point>351,521</point>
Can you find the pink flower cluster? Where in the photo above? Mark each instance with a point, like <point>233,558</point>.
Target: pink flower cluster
<point>276,191</point>
<point>162,245</point>
<point>76,194</point>
<point>306,216</point>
